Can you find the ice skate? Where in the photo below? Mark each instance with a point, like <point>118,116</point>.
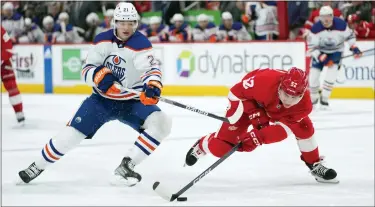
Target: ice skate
<point>29,173</point>
<point>321,173</point>
<point>194,154</point>
<point>20,118</point>
<point>315,104</point>
<point>125,175</point>
<point>324,105</point>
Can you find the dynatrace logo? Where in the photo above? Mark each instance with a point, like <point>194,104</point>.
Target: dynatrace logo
<point>185,64</point>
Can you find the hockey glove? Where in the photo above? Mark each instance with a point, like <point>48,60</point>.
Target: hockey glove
<point>104,80</point>
<point>151,93</point>
<point>250,140</point>
<point>259,118</point>
<point>355,50</point>
<point>323,58</point>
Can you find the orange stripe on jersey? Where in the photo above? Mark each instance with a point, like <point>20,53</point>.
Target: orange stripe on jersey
<point>152,73</point>
<point>84,71</point>
<point>148,48</point>
<point>50,154</point>
<point>147,144</point>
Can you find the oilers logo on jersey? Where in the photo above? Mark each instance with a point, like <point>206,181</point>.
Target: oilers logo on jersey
<point>328,42</point>
<point>117,65</point>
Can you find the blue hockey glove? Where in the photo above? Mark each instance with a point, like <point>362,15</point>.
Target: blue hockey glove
<point>104,79</point>
<point>151,93</point>
<point>357,53</point>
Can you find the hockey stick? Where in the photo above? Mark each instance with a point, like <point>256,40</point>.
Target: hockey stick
<point>163,192</point>
<point>175,103</point>
<point>355,54</point>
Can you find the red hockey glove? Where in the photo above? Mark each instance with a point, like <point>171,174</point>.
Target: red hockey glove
<point>250,141</point>
<point>259,118</point>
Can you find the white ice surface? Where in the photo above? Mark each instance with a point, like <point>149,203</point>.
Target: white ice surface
<point>270,175</point>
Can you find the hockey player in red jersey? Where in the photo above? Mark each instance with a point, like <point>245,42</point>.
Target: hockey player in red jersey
<point>7,76</point>
<point>276,104</point>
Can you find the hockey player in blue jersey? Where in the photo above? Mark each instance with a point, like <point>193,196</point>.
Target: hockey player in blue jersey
<point>118,56</point>
<point>326,45</point>
<point>231,31</point>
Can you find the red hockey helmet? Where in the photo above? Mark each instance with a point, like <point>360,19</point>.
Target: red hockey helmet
<point>292,87</point>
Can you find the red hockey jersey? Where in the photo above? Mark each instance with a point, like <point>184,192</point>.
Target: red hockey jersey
<point>262,86</point>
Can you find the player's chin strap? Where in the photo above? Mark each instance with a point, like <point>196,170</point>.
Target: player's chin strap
<point>175,103</point>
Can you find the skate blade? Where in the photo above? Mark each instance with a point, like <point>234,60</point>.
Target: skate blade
<point>332,181</point>
<point>19,181</point>
<point>117,180</point>
<point>325,108</point>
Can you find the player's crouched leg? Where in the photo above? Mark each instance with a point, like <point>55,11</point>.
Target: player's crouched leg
<point>157,126</point>
<point>90,116</point>
<point>304,132</point>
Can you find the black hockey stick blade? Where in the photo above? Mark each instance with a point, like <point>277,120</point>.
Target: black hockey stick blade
<point>165,193</point>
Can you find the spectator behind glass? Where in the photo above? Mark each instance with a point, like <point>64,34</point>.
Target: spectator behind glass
<point>50,30</point>
<point>231,31</point>
<point>157,32</point>
<point>12,21</point>
<point>298,13</point>
<point>69,34</point>
<point>54,9</point>
<point>264,17</point>
<point>204,30</point>
<point>142,6</point>
<point>107,23</point>
<point>142,27</point>
<point>94,29</point>
<point>362,29</point>
<point>180,30</point>
<point>32,33</point>
<point>362,9</point>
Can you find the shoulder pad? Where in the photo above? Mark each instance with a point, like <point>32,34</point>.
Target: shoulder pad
<point>102,24</point>
<point>56,28</point>
<point>104,36</point>
<point>184,26</point>
<point>236,26</point>
<point>138,42</point>
<point>210,25</point>
<point>339,24</point>
<point>16,16</point>
<point>317,27</point>
<point>69,27</point>
<point>172,27</point>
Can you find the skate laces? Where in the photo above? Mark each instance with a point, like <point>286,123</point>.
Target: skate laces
<point>33,171</point>
<point>319,168</point>
<point>197,152</point>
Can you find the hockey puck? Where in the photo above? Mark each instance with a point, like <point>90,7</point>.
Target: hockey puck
<point>182,199</point>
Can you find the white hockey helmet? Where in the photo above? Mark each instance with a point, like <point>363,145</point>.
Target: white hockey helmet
<point>155,20</point>
<point>109,13</point>
<point>202,17</point>
<point>177,17</point>
<point>326,11</point>
<point>226,16</point>
<point>125,11</point>
<point>47,20</point>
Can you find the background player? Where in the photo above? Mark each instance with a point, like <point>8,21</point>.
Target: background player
<point>260,97</point>
<point>8,77</point>
<point>326,44</point>
<point>125,56</point>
